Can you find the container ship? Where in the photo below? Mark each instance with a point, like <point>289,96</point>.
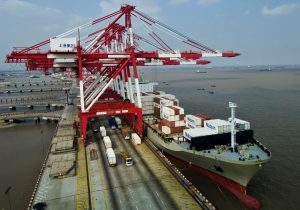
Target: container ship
<point>223,150</point>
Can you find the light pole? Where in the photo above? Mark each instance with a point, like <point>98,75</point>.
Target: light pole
<point>8,195</point>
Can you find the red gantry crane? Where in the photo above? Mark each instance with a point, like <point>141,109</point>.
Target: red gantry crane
<point>105,60</point>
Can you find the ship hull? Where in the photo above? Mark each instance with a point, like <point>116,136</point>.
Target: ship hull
<point>233,176</point>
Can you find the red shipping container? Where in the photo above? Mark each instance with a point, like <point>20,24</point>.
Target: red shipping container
<point>168,123</point>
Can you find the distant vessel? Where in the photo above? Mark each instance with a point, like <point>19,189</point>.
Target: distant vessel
<point>203,72</point>
<point>266,69</point>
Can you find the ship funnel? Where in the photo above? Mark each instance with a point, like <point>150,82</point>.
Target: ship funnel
<point>232,106</point>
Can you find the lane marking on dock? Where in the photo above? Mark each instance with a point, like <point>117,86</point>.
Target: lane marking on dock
<point>102,182</point>
<point>90,179</point>
<point>81,189</point>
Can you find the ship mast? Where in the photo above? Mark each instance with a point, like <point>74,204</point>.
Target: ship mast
<point>233,132</point>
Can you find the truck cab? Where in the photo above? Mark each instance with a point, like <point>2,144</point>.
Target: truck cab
<point>127,159</point>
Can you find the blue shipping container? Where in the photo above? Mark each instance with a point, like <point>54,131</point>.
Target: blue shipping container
<point>112,123</point>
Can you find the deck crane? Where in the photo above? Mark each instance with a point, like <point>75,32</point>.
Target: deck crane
<point>111,54</point>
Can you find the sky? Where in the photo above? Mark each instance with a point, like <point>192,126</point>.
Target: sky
<point>265,32</point>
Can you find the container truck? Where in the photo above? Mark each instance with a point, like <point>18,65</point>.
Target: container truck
<point>111,157</point>
<point>136,139</point>
<point>112,123</point>
<point>119,122</point>
<point>102,131</point>
<point>125,133</point>
<point>107,142</point>
<point>127,159</point>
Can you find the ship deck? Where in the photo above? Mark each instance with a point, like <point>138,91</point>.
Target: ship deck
<point>255,152</point>
<point>249,152</point>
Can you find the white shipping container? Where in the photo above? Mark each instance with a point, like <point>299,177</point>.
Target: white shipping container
<point>169,96</point>
<point>166,102</point>
<point>166,130</point>
<point>191,125</point>
<point>63,44</point>
<point>136,139</point>
<point>220,126</point>
<point>147,103</point>
<point>102,131</point>
<point>147,112</point>
<point>197,132</point>
<point>168,111</point>
<point>107,142</point>
<point>111,157</point>
<point>194,120</point>
<point>170,117</point>
<point>241,124</point>
<point>119,122</point>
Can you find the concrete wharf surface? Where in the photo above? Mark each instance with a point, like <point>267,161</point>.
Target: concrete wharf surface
<point>148,184</point>
<point>59,192</point>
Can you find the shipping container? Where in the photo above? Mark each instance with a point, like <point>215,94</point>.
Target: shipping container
<point>119,122</point>
<point>218,125</point>
<point>241,124</point>
<point>110,154</point>
<point>136,139</point>
<point>112,123</point>
<point>191,125</point>
<point>181,110</point>
<point>107,142</point>
<point>171,110</point>
<point>102,131</point>
<point>172,130</point>
<point>170,117</point>
<point>197,132</point>
<point>193,120</point>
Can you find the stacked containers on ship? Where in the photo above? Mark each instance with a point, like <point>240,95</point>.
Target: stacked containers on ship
<point>147,102</point>
<point>160,102</point>
<point>205,138</point>
<point>172,119</point>
<point>195,121</point>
